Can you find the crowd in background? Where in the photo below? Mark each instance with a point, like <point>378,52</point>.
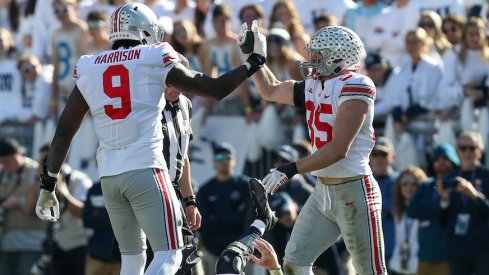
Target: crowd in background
<point>429,60</point>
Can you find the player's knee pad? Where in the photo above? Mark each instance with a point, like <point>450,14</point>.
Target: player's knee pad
<point>294,269</point>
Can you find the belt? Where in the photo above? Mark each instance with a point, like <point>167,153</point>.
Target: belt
<point>338,180</point>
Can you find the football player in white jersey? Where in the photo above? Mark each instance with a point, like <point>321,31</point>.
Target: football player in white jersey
<point>123,90</point>
<point>339,111</point>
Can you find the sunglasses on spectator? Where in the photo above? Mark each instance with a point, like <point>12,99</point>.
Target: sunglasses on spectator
<point>427,25</point>
<point>61,9</point>
<point>222,157</point>
<point>96,24</point>
<point>464,148</point>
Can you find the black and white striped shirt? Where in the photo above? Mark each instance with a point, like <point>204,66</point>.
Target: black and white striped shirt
<point>177,135</point>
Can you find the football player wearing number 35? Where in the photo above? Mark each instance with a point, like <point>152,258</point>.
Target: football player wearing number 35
<point>339,107</point>
<point>123,90</point>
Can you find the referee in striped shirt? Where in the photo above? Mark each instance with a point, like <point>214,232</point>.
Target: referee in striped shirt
<point>177,135</point>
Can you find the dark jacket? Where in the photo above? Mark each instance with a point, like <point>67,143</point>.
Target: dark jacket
<point>386,183</point>
<point>475,241</point>
<point>225,208</point>
<point>95,216</point>
<point>424,206</point>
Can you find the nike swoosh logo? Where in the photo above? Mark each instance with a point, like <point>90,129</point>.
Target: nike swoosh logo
<point>326,96</point>
<point>349,203</point>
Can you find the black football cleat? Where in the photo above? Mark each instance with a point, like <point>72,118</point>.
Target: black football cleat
<point>261,208</point>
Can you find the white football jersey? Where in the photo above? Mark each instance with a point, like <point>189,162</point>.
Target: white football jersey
<point>124,91</point>
<point>322,103</point>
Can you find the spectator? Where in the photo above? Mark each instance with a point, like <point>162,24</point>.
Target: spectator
<point>178,10</point>
<point>380,71</point>
<point>452,26</point>
<point>359,18</point>
<point>415,92</point>
<point>404,258</point>
<point>297,187</point>
<point>45,23</point>
<point>285,15</point>
<point>224,204</point>
<point>95,216</point>
<point>71,238</point>
<point>310,9</point>
<point>85,7</point>
<point>26,26</point>
<point>388,32</point>
<point>10,15</point>
<point>381,160</point>
<point>424,207</point>
<point>188,42</point>
<point>466,70</point>
<point>203,15</point>
<point>281,59</point>
<point>69,42</point>
<point>97,22</point>
<point>35,89</point>
<point>465,209</point>
<point>221,54</point>
<point>475,56</point>
<point>21,232</point>
<point>443,8</point>
<point>323,20</point>
<point>10,79</point>
<point>431,22</point>
<point>251,12</point>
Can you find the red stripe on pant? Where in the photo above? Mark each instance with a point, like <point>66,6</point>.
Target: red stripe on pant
<point>169,212</point>
<point>373,220</point>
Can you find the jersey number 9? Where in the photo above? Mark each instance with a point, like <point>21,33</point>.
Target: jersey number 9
<point>116,85</point>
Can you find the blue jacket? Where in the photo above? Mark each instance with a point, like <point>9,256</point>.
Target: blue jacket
<point>95,216</point>
<point>225,208</point>
<point>386,183</point>
<point>475,241</point>
<point>424,206</point>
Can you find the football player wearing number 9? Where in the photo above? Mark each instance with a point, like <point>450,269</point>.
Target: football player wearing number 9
<point>122,89</point>
<point>340,108</point>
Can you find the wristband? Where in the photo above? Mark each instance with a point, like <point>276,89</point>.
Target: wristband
<point>188,201</point>
<point>48,183</point>
<point>254,63</point>
<point>289,169</point>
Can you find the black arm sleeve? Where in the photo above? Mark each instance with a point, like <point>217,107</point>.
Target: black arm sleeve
<point>299,96</point>
<point>197,83</point>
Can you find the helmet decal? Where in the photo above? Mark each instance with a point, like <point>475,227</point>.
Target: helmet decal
<point>134,21</point>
